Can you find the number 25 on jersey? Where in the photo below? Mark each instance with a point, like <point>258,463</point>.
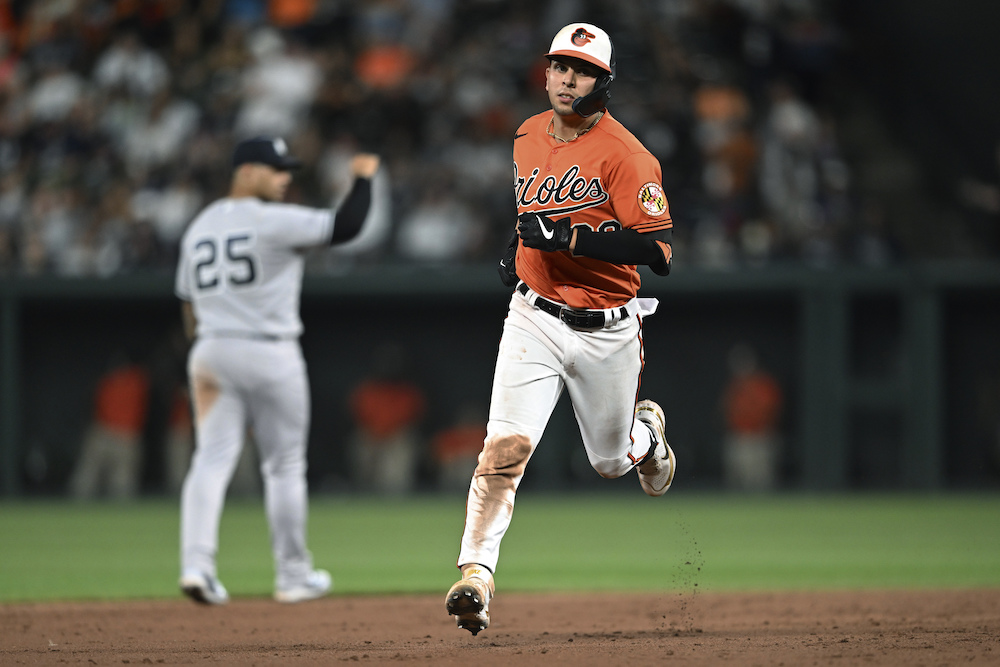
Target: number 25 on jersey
<point>224,261</point>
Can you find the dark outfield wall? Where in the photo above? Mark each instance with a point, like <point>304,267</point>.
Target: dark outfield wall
<point>861,362</point>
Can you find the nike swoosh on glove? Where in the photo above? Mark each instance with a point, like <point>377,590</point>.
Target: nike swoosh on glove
<point>543,233</point>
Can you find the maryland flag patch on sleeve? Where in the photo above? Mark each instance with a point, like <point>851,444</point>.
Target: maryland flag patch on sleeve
<point>652,200</point>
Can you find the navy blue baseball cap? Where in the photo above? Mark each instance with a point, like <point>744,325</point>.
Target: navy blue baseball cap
<point>271,151</point>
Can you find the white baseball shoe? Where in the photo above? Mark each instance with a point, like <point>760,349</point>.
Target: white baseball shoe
<point>656,471</point>
<point>203,588</point>
<point>316,585</point>
<point>469,599</point>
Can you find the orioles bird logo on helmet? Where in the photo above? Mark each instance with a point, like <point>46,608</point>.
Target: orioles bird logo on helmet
<point>581,37</point>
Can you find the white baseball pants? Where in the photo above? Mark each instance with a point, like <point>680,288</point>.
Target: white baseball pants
<point>539,356</point>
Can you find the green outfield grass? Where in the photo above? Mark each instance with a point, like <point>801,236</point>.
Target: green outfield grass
<point>60,551</point>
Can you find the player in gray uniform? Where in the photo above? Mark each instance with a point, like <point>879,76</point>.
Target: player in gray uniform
<point>239,278</point>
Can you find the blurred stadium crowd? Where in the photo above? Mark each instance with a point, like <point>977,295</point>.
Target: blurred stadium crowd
<point>118,117</point>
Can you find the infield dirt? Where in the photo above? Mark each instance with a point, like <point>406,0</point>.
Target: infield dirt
<point>911,628</point>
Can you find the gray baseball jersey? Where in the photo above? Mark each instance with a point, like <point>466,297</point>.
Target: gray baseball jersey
<point>241,266</point>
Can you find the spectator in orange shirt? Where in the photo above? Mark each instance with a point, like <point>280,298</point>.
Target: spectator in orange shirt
<point>111,458</point>
<point>386,409</point>
<point>752,403</point>
<point>384,66</point>
<point>456,448</point>
<point>288,14</point>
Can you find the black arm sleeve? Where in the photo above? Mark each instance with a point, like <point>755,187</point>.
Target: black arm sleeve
<point>351,215</point>
<point>625,246</point>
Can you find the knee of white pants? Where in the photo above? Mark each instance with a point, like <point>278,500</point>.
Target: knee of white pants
<point>290,463</point>
<point>611,468</point>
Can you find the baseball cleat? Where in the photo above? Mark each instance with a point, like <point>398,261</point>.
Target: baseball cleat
<point>468,601</point>
<point>656,471</point>
<point>316,586</point>
<point>203,588</point>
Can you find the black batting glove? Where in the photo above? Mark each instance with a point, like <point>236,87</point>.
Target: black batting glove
<point>542,233</point>
<point>508,263</point>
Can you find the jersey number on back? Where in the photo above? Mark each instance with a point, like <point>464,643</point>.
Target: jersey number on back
<point>234,263</point>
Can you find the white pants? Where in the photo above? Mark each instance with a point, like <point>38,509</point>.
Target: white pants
<point>261,385</point>
<point>110,461</point>
<point>539,356</point>
<point>750,461</point>
<point>387,465</point>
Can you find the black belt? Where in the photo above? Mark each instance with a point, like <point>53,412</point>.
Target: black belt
<point>577,319</point>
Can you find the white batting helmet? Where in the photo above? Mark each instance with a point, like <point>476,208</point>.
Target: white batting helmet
<point>589,43</point>
<point>584,41</point>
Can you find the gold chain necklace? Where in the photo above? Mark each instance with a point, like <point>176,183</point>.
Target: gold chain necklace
<point>579,133</point>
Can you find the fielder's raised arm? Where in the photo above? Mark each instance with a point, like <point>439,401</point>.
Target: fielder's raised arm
<point>350,217</point>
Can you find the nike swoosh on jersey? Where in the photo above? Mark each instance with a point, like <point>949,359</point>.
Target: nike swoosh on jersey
<point>518,136</point>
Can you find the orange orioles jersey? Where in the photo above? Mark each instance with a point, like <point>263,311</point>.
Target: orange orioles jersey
<point>605,180</point>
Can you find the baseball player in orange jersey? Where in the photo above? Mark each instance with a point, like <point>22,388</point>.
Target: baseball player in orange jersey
<point>591,209</point>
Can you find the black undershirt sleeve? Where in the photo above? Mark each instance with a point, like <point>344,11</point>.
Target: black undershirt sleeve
<point>625,246</point>
<point>351,215</point>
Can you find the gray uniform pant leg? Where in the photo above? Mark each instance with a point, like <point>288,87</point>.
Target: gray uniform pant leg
<point>280,421</point>
<point>263,385</point>
<point>219,443</point>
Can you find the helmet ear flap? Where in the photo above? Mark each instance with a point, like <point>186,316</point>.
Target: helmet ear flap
<point>597,99</point>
